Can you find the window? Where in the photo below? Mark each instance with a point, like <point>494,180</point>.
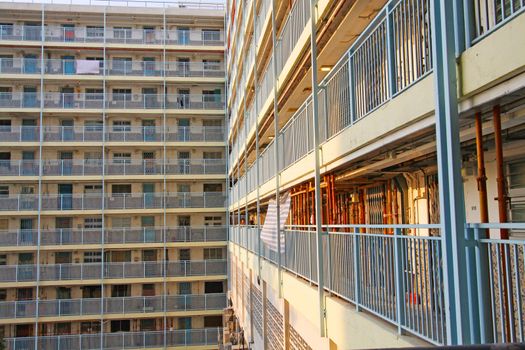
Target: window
<point>148,290</point>
<point>516,190</point>
<point>63,258</point>
<point>94,125</point>
<point>184,255</point>
<point>5,125</point>
<point>212,187</point>
<point>90,327</point>
<point>3,294</point>
<point>63,328</point>
<point>121,222</point>
<point>212,321</point>
<point>213,287</point>
<point>121,189</point>
<point>94,32</point>
<point>212,122</point>
<point>93,257</point>
<point>99,59</point>
<point>121,125</point>
<point>213,254</point>
<point>147,324</point>
<point>212,221</point>
<point>93,157</point>
<point>122,32</point>
<point>210,95</point>
<point>92,223</point>
<point>121,94</point>
<point>149,255</point>
<point>4,191</point>
<point>3,259</point>
<point>184,323</point>
<point>212,155</point>
<point>120,326</point>
<point>92,189</point>
<point>25,258</point>
<point>185,288</point>
<point>6,29</point>
<point>211,64</point>
<point>121,290</point>
<point>94,94</point>
<point>211,35</point>
<point>121,158</point>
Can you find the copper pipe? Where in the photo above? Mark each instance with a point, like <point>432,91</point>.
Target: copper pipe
<point>482,176</point>
<point>500,179</point>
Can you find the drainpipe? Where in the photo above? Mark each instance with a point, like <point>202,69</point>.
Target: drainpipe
<point>500,179</point>
<point>482,176</point>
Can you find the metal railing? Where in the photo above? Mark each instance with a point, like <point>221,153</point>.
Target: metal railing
<point>124,201</point>
<point>112,235</point>
<point>20,65</point>
<point>111,270</point>
<point>171,133</point>
<point>116,35</point>
<point>113,305</point>
<point>59,100</point>
<point>119,340</point>
<point>492,14</point>
<point>396,273</point>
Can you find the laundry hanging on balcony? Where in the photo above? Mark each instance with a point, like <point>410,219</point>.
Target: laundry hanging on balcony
<point>87,67</point>
<point>269,230</point>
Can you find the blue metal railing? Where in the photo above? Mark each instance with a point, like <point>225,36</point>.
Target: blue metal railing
<point>396,273</point>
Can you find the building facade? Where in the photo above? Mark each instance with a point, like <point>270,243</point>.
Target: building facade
<point>398,146</point>
<point>112,175</point>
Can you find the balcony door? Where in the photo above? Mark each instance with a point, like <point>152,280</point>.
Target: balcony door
<point>150,97</point>
<point>65,194</point>
<point>149,66</point>
<point>66,127</point>
<point>66,163</point>
<point>183,35</point>
<point>68,65</point>
<point>148,227</point>
<point>30,64</point>
<point>30,97</point>
<point>63,227</point>
<point>184,162</point>
<point>67,97</point>
<point>28,163</point>
<point>149,195</point>
<point>26,231</point>
<point>68,32</point>
<point>29,129</point>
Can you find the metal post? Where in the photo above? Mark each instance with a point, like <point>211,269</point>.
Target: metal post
<point>164,185</point>
<point>257,160</point>
<point>317,177</point>
<point>451,199</point>
<point>276,150</point>
<point>40,171</point>
<point>103,199</point>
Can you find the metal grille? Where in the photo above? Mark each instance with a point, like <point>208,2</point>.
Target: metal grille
<point>275,333</point>
<point>297,342</point>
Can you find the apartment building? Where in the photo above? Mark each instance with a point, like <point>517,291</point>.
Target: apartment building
<point>112,175</point>
<point>398,147</point>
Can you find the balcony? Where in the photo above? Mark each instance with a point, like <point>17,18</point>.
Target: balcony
<point>113,134</point>
<point>120,340</point>
<point>90,271</point>
<point>97,34</point>
<point>169,200</point>
<point>73,101</point>
<point>113,235</point>
<point>115,68</point>
<point>111,306</point>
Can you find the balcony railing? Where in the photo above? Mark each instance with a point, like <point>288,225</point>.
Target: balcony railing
<point>171,133</point>
<point>114,68</point>
<point>169,200</point>
<point>397,273</point>
<point>87,271</point>
<point>113,235</point>
<point>57,167</point>
<point>119,340</point>
<point>57,100</point>
<point>97,34</point>
<point>113,305</point>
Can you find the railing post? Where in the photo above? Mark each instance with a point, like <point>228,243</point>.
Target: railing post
<point>391,54</point>
<point>357,270</point>
<point>398,271</point>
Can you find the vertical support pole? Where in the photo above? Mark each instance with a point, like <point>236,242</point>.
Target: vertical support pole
<point>500,177</point>
<point>276,149</point>
<point>164,184</point>
<point>257,160</point>
<point>399,269</point>
<point>482,176</point>
<point>40,171</point>
<point>317,177</point>
<point>451,198</point>
<point>103,199</point>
